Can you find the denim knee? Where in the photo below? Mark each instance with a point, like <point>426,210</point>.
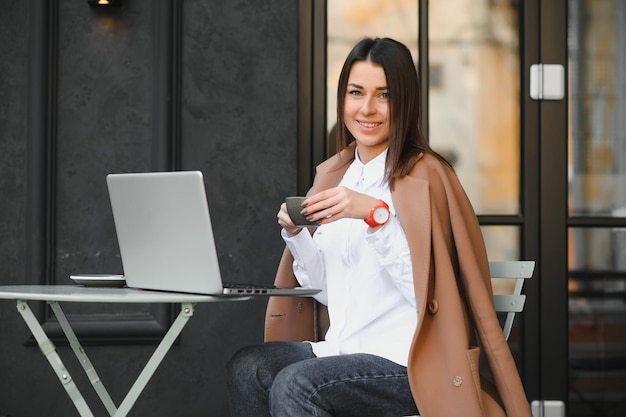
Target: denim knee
<point>243,364</point>
<point>285,390</point>
<point>293,382</point>
<point>286,382</point>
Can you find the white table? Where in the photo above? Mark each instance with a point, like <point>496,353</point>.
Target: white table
<point>54,294</point>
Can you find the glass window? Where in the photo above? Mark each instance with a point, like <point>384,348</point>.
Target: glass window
<point>502,242</point>
<point>597,187</point>
<point>474,97</point>
<point>597,322</point>
<point>597,130</point>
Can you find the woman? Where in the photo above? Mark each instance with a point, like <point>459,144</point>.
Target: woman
<point>403,270</point>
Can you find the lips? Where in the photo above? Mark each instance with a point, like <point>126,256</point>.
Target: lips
<point>369,125</point>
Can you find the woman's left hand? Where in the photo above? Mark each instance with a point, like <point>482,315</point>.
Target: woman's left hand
<point>338,203</point>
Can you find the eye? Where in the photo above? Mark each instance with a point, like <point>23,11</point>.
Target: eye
<point>384,95</point>
<point>354,92</point>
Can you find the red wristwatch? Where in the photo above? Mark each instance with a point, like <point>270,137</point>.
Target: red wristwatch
<point>378,215</point>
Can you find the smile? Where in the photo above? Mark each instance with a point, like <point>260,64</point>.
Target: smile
<point>370,124</point>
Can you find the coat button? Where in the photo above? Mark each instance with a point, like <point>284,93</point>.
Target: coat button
<point>299,307</point>
<point>457,381</point>
<point>433,306</point>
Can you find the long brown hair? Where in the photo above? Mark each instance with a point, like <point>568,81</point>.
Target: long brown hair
<point>406,140</point>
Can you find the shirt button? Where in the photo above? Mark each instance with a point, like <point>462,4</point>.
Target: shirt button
<point>457,381</point>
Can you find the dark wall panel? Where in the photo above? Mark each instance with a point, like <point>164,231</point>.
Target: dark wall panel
<point>103,107</point>
<point>239,126</point>
<point>152,85</point>
<point>239,84</point>
<point>13,109</point>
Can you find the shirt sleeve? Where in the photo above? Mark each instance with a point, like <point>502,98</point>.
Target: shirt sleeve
<point>390,244</point>
<point>308,263</point>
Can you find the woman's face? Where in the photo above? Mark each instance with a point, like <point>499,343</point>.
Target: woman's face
<point>366,109</point>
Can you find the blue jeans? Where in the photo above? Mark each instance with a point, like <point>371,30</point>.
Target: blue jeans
<point>285,379</point>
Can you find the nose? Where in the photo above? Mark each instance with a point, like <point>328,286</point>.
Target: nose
<point>368,106</point>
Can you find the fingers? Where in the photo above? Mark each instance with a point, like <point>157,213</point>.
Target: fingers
<point>328,205</point>
<point>285,221</point>
<point>338,203</point>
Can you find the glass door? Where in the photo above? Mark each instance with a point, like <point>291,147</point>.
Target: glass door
<point>597,207</point>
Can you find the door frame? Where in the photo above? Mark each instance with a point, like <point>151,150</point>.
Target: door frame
<point>545,184</point>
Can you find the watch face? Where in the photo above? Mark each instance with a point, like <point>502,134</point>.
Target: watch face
<point>381,215</point>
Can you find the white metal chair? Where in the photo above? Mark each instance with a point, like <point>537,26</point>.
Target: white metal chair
<point>513,302</point>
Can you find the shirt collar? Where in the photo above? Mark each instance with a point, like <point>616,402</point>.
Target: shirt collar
<point>363,175</point>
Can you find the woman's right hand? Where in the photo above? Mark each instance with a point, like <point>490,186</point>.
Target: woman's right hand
<point>286,223</point>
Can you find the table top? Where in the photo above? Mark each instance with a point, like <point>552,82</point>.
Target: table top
<point>80,294</point>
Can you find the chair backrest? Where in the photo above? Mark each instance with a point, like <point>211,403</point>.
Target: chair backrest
<point>514,302</point>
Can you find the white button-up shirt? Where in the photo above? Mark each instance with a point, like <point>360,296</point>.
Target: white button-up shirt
<point>366,278</point>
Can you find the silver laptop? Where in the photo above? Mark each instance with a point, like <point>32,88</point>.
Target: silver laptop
<point>165,236</point>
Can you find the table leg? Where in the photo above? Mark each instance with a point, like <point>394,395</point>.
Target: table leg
<point>186,312</point>
<point>49,351</point>
<point>83,359</point>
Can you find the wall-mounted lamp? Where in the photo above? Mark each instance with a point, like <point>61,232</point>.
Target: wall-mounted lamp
<point>104,3</point>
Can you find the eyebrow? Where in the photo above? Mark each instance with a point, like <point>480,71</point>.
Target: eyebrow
<point>361,87</point>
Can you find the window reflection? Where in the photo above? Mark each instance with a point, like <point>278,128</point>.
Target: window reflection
<point>597,325</point>
<point>502,242</point>
<point>474,97</point>
<point>597,187</point>
<point>597,134</point>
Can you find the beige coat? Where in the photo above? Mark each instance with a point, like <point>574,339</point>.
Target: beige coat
<point>450,272</point>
